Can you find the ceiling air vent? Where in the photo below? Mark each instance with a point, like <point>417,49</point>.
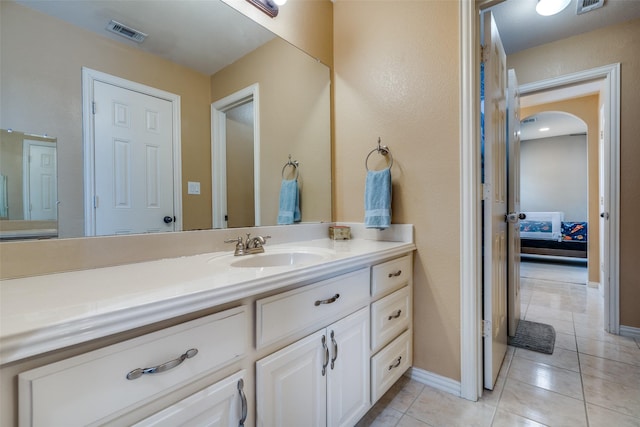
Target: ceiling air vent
<point>127,32</point>
<point>529,120</point>
<point>585,6</point>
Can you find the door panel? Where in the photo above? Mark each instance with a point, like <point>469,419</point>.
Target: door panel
<point>41,192</point>
<point>495,203</point>
<point>133,162</point>
<point>513,190</point>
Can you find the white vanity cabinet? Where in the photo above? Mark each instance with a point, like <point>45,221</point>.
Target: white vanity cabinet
<point>391,323</point>
<point>101,385</point>
<point>320,380</point>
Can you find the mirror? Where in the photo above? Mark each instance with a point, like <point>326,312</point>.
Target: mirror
<point>28,186</point>
<point>41,85</point>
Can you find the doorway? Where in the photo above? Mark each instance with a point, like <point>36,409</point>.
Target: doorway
<point>471,289</point>
<point>235,159</point>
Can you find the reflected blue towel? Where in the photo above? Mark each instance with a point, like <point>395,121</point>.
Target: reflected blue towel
<point>377,199</point>
<point>289,208</point>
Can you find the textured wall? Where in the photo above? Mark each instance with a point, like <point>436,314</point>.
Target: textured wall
<point>396,76</point>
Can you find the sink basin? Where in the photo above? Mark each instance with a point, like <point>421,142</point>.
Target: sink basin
<point>279,259</point>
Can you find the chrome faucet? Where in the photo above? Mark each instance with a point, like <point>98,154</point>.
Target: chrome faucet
<point>252,245</point>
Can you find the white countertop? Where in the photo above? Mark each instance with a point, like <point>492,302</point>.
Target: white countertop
<point>44,313</point>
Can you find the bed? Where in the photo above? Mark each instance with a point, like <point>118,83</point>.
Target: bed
<point>547,233</point>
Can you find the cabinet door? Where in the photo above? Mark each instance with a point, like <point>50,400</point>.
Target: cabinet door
<point>349,368</point>
<point>222,404</point>
<point>291,386</point>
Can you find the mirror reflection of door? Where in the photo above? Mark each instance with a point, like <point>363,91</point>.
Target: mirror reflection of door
<point>40,182</point>
<point>240,170</point>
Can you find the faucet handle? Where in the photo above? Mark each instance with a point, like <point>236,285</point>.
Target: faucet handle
<point>238,240</point>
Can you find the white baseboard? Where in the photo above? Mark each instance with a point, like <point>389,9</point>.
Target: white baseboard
<point>593,284</point>
<point>630,331</point>
<point>434,380</point>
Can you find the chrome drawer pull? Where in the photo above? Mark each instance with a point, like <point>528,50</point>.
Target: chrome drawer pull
<point>395,315</point>
<point>243,399</point>
<point>137,373</point>
<point>396,274</point>
<point>327,301</point>
<point>395,365</point>
<point>326,355</point>
<point>335,350</point>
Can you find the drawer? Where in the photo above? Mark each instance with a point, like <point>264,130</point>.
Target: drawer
<point>284,314</point>
<point>94,387</point>
<point>223,402</point>
<point>389,364</point>
<point>391,275</point>
<point>390,316</point>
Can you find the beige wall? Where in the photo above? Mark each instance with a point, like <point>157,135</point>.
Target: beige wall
<point>609,45</point>
<point>585,108</point>
<point>396,76</point>
<point>301,94</point>
<point>42,60</point>
<point>307,24</point>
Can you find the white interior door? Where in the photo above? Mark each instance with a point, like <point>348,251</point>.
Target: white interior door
<point>134,178</point>
<point>604,243</point>
<point>513,192</point>
<point>40,195</point>
<point>495,203</point>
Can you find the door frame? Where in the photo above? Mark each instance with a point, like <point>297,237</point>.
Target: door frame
<point>219,152</point>
<point>89,76</point>
<point>471,194</point>
<point>26,174</point>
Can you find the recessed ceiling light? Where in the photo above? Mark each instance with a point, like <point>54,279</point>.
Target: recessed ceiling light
<point>543,129</point>
<point>551,7</point>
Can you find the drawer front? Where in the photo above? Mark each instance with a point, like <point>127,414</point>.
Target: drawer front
<point>391,275</point>
<point>94,386</point>
<point>389,364</point>
<point>390,316</point>
<point>222,404</point>
<point>282,315</point>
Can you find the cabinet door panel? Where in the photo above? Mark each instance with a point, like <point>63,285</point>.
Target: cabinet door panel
<point>290,387</point>
<point>218,405</point>
<point>348,379</point>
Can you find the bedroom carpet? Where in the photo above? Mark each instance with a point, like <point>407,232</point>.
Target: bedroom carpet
<point>534,336</point>
<point>557,271</point>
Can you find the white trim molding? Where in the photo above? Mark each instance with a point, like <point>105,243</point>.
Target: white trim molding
<point>470,215</point>
<point>434,380</point>
<point>629,331</point>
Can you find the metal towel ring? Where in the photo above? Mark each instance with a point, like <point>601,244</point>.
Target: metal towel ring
<point>293,164</point>
<point>382,149</point>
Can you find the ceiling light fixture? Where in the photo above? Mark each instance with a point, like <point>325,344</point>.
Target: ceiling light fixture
<point>270,7</point>
<point>551,7</point>
<point>543,129</point>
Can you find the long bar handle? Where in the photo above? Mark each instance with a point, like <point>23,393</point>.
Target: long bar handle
<point>335,350</point>
<point>396,274</point>
<point>327,301</point>
<point>137,373</point>
<point>326,355</point>
<point>395,315</point>
<point>243,400</point>
<point>395,365</point>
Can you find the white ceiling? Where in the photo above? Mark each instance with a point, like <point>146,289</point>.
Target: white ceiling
<point>521,27</point>
<point>204,35</point>
<point>556,123</point>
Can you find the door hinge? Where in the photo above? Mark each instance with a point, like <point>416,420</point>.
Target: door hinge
<point>486,328</point>
<point>93,107</point>
<point>483,53</point>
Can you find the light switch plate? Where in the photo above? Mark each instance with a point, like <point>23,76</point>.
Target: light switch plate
<point>193,187</point>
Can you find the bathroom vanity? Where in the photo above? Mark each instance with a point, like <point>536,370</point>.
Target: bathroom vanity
<point>309,333</point>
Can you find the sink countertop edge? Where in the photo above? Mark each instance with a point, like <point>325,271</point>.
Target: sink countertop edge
<point>77,330</point>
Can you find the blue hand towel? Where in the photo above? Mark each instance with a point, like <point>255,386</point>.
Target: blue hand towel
<point>289,208</point>
<point>377,199</point>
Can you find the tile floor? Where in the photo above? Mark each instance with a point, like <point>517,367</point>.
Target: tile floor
<point>591,379</point>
